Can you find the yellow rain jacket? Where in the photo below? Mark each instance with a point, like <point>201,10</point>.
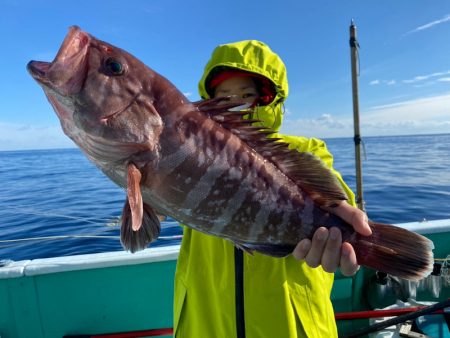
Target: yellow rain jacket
<point>282,296</point>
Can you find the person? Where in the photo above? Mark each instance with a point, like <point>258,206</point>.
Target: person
<point>221,291</point>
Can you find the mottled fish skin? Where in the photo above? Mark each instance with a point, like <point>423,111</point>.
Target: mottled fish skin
<point>194,169</point>
<point>201,164</point>
<point>221,186</point>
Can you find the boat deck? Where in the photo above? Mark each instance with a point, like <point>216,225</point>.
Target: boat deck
<point>122,292</point>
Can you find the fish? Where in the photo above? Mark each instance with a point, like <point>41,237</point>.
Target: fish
<point>205,164</point>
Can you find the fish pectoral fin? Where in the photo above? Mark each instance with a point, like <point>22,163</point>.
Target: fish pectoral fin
<point>140,223</point>
<point>134,196</point>
<point>149,229</point>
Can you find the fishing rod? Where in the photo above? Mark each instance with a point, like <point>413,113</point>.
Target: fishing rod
<point>354,46</point>
<point>400,319</point>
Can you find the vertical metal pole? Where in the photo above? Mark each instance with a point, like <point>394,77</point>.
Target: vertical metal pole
<point>357,135</point>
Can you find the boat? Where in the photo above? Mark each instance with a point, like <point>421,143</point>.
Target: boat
<point>123,295</point>
<point>119,294</point>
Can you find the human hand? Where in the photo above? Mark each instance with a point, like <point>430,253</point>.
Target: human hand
<point>326,247</point>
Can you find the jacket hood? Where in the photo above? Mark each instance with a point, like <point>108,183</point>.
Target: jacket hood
<point>254,57</point>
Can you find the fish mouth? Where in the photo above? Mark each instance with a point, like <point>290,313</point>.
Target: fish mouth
<point>38,69</point>
<point>66,73</point>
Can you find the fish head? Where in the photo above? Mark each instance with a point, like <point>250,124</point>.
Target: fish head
<point>96,90</point>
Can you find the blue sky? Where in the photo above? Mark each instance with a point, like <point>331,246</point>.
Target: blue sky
<point>404,58</point>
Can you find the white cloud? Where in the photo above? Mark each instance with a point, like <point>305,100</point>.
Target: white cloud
<point>416,81</point>
<point>385,82</point>
<point>424,84</point>
<point>420,116</point>
<point>418,109</point>
<point>429,25</point>
<point>23,136</point>
<point>420,78</point>
<point>324,126</point>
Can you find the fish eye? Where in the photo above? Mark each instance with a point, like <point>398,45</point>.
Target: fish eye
<point>114,67</point>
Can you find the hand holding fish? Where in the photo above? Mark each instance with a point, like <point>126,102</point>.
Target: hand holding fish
<point>326,247</point>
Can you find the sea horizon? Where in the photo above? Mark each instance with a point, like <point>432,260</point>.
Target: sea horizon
<point>322,138</point>
<point>48,193</point>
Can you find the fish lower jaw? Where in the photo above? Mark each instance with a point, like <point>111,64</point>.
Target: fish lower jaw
<point>38,70</point>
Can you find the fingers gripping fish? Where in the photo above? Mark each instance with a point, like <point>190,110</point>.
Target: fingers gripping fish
<point>202,163</point>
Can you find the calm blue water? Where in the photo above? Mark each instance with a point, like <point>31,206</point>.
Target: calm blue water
<point>59,192</point>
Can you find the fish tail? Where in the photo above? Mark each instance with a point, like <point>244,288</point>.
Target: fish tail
<point>395,250</point>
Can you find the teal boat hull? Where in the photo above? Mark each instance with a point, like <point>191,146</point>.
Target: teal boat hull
<point>122,292</point>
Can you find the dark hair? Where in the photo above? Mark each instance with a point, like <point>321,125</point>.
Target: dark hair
<point>265,87</point>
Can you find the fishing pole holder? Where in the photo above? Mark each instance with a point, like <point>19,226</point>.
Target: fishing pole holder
<point>383,290</point>
<point>431,286</point>
<point>388,292</point>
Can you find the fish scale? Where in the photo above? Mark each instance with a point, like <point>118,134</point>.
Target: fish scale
<point>240,201</point>
<point>204,164</point>
<point>217,174</point>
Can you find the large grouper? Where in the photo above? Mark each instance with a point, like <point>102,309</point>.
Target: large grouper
<point>202,163</point>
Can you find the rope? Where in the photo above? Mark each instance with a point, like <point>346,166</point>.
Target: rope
<point>46,238</point>
<point>114,221</point>
<point>31,211</point>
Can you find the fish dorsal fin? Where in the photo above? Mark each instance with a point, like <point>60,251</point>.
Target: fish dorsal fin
<point>311,174</point>
<point>307,170</point>
<point>221,105</point>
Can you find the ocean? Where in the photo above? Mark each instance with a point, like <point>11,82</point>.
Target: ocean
<point>57,203</point>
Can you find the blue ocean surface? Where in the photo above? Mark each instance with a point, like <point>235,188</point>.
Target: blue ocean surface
<point>57,203</point>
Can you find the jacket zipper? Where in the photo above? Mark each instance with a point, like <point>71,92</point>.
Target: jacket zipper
<point>239,292</point>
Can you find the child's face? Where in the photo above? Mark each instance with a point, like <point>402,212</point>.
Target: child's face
<point>240,88</point>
